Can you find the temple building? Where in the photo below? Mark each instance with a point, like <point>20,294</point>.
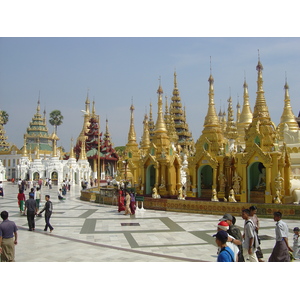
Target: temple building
<point>247,160</point>
<point>153,169</point>
<point>98,150</point>
<point>40,157</point>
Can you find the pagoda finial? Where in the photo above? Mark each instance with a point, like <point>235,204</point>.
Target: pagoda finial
<point>72,150</point>
<point>87,103</point>
<point>287,116</point>
<point>211,117</point>
<point>160,123</point>
<point>145,142</point>
<point>131,134</point>
<point>38,104</point>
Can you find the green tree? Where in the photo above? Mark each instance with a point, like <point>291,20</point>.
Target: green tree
<point>56,119</point>
<point>5,116</point>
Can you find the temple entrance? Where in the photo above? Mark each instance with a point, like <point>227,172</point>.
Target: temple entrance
<point>54,178</point>
<point>36,176</point>
<point>256,183</point>
<point>205,181</point>
<point>150,179</point>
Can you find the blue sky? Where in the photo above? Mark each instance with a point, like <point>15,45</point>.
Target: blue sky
<point>117,70</point>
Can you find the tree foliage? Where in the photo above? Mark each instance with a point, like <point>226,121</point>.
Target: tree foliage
<point>56,119</point>
<point>5,117</point>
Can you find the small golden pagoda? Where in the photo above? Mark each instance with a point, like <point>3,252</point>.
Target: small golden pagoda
<point>287,116</point>
<point>207,164</point>
<point>156,165</point>
<point>262,163</point>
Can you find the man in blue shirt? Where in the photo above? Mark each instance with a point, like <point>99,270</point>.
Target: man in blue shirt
<point>226,254</point>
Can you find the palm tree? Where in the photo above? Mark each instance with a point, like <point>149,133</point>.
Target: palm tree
<point>55,119</point>
<point>4,116</point>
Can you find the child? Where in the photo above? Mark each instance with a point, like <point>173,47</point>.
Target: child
<point>296,245</point>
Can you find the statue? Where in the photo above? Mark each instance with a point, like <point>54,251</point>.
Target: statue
<point>231,197</point>
<point>236,183</point>
<point>222,182</point>
<point>180,194</point>
<point>155,195</point>
<point>277,197</point>
<point>279,183</point>
<point>214,195</point>
<point>261,179</point>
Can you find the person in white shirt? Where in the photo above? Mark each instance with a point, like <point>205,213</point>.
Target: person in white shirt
<point>281,249</point>
<point>250,242</point>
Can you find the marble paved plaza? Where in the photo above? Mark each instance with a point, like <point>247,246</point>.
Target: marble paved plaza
<point>91,232</point>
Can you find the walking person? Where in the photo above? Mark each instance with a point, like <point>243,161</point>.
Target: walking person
<point>250,238</point>
<point>132,203</point>
<point>281,249</point>
<point>50,183</point>
<point>1,189</point>
<point>231,242</point>
<point>225,254</point>
<point>21,201</point>
<point>296,242</point>
<point>235,232</point>
<point>31,210</point>
<point>255,220</point>
<point>127,207</point>
<point>8,238</point>
<point>38,197</point>
<point>48,208</point>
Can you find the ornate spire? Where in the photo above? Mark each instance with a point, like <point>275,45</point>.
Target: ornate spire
<point>82,155</point>
<point>261,130</point>
<point>87,103</point>
<point>145,142</point>
<point>246,115</point>
<point>238,111</point>
<point>231,130</point>
<point>212,138</point>
<point>287,116</point>
<point>72,150</point>
<point>160,126</point>
<point>260,109</point>
<point>211,118</point>
<point>184,136</point>
<point>151,123</point>
<point>24,150</point>
<point>131,134</point>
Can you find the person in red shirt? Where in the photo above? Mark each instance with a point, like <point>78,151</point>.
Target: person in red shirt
<point>21,200</point>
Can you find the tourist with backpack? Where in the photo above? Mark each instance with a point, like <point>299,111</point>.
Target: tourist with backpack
<point>250,242</point>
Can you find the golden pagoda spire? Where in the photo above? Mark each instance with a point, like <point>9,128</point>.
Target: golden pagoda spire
<point>238,111</point>
<point>87,103</point>
<point>287,116</point>
<point>145,142</point>
<point>131,133</point>
<point>212,138</point>
<point>262,130</point>
<point>231,130</point>
<point>260,109</point>
<point>151,123</point>
<point>246,115</point>
<point>160,126</point>
<point>72,150</point>
<point>82,155</point>
<point>93,109</point>
<point>211,118</point>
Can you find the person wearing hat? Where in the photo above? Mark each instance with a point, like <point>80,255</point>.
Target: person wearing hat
<point>235,232</point>
<point>231,241</point>
<point>225,254</point>
<point>296,245</point>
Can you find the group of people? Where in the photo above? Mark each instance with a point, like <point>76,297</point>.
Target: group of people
<point>126,202</point>
<point>233,246</point>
